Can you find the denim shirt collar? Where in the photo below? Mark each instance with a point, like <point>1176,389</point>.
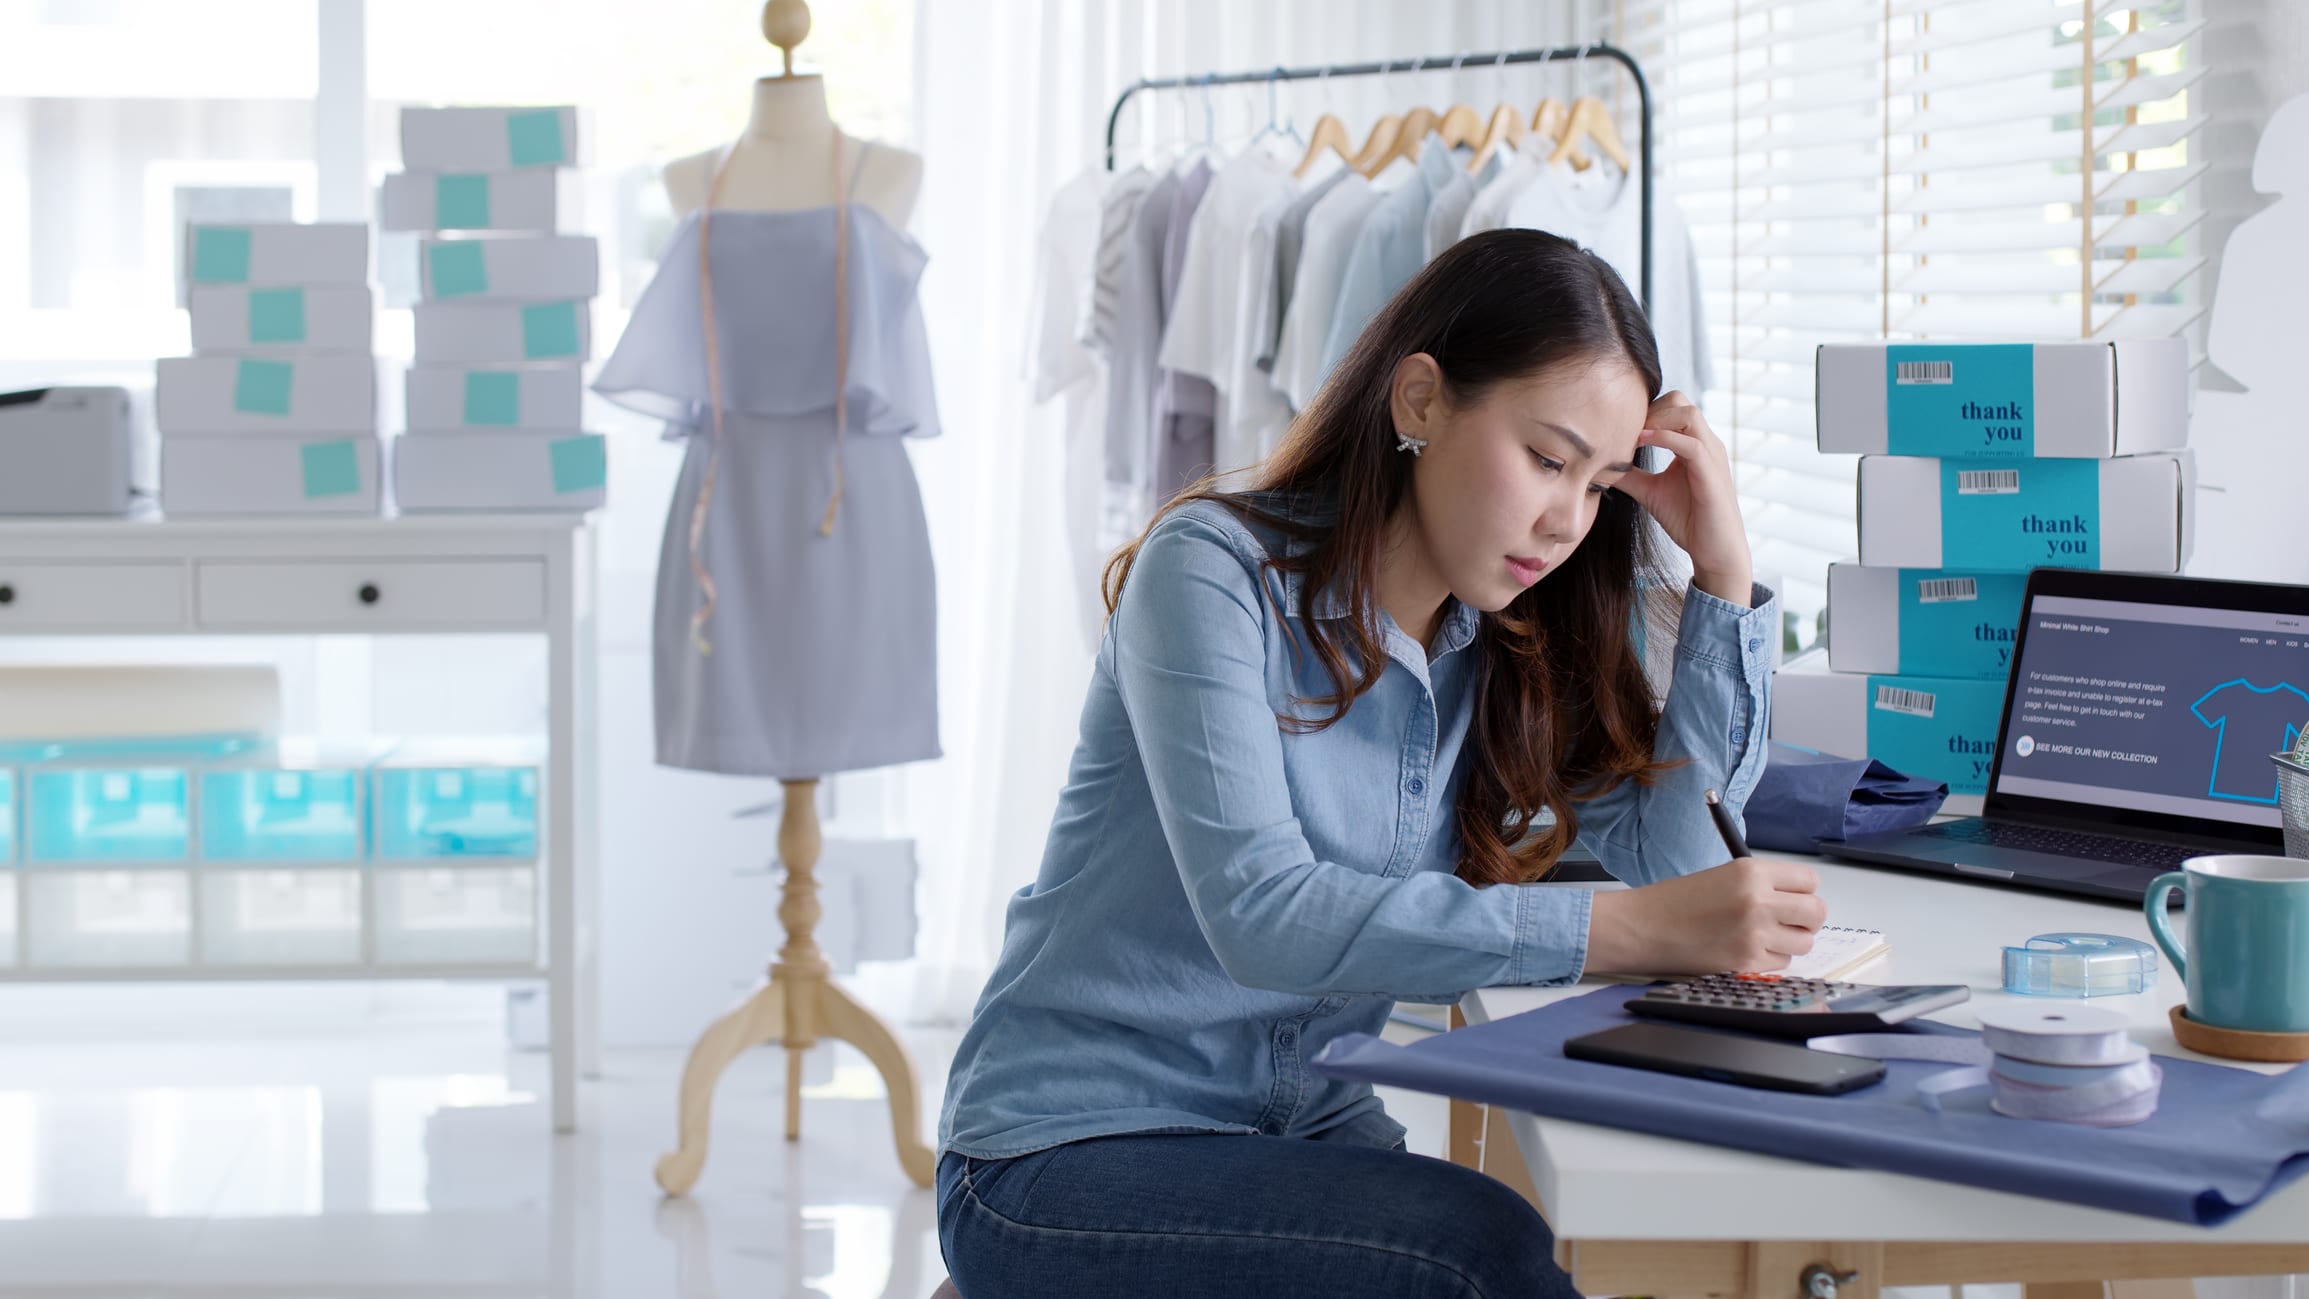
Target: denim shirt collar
<point>1459,621</point>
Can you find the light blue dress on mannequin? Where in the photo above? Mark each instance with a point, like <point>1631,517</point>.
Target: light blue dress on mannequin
<point>824,648</point>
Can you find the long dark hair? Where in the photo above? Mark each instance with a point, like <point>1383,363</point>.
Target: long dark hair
<point>1563,709</point>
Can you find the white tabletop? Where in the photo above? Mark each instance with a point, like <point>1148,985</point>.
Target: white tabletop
<point>1602,1183</point>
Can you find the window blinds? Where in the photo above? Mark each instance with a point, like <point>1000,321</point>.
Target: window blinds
<point>1954,169</point>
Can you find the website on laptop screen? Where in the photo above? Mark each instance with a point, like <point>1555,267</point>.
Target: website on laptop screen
<point>2166,708</point>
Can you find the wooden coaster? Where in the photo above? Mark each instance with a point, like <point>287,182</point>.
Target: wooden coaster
<point>2238,1043</point>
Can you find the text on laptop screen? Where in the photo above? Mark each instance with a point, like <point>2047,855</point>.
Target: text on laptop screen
<point>2165,708</point>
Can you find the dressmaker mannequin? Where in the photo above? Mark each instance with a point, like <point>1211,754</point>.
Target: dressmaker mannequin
<point>784,162</point>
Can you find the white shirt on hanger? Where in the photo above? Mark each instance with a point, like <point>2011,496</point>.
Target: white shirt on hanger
<point>1449,210</point>
<point>1208,333</point>
<point>1488,210</point>
<point>1060,364</point>
<point>1331,229</point>
<point>1602,214</point>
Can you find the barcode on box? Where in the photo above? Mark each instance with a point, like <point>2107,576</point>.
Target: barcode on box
<point>1987,482</point>
<point>1925,372</point>
<point>1946,590</point>
<point>1915,703</point>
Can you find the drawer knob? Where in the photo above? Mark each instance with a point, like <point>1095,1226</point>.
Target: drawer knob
<point>7,593</point>
<point>369,593</point>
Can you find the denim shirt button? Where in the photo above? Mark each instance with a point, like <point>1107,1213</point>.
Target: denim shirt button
<point>1418,786</point>
<point>1739,735</point>
<point>1754,644</point>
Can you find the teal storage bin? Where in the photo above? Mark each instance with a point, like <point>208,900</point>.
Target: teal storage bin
<point>108,815</point>
<point>450,813</point>
<point>276,815</point>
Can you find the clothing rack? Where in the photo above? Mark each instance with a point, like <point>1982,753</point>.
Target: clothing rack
<point>1454,62</point>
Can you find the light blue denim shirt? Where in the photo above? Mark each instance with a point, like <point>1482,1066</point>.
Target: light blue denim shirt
<point>1219,898</point>
<point>1388,251</point>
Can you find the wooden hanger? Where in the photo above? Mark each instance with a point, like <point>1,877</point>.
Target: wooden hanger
<point>1505,127</point>
<point>1329,134</point>
<point>1415,126</point>
<point>1552,122</point>
<point>1590,120</point>
<point>1461,125</point>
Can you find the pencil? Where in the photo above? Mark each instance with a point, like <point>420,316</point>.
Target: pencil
<point>1734,841</point>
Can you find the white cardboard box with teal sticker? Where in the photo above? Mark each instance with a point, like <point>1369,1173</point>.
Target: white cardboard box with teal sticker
<point>468,332</point>
<point>470,139</point>
<point>510,470</point>
<point>2130,514</point>
<point>539,200</point>
<point>270,475</point>
<point>1928,621</point>
<point>513,268</point>
<point>1939,728</point>
<point>265,254</point>
<point>234,319</point>
<point>309,395</point>
<point>2003,400</point>
<point>453,397</point>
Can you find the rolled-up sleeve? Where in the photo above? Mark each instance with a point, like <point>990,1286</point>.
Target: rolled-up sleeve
<point>1714,722</point>
<point>1189,646</point>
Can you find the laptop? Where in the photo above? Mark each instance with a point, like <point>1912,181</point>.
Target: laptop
<point>2139,716</point>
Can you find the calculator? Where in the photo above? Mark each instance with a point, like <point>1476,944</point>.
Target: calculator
<point>1778,1006</point>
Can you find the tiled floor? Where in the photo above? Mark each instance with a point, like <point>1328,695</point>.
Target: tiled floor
<point>224,1152</point>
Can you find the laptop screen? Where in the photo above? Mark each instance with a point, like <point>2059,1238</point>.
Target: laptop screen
<point>2159,708</point>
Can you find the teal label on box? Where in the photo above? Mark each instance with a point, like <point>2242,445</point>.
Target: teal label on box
<point>461,203</point>
<point>580,464</point>
<point>1976,401</point>
<point>533,138</point>
<point>1958,624</point>
<point>331,469</point>
<point>7,815</point>
<point>220,255</point>
<point>492,397</point>
<point>548,330</point>
<point>263,387</point>
<point>2011,517</point>
<point>276,315</point>
<point>457,269</point>
<point>1935,728</point>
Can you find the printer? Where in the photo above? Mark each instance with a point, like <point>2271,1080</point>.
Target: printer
<point>70,451</point>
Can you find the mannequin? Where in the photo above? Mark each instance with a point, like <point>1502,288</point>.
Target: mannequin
<point>781,162</point>
<point>784,162</point>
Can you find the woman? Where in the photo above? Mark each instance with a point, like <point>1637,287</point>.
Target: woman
<point>1326,715</point>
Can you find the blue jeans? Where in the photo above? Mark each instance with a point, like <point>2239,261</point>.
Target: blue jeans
<point>1209,1216</point>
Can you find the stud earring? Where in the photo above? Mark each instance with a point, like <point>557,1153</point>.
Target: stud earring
<point>1406,442</point>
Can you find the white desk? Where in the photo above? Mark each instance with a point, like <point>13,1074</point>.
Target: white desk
<point>414,574</point>
<point>1650,1215</point>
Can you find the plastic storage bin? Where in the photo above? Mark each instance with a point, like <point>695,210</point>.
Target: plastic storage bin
<point>267,814</point>
<point>447,813</point>
<point>456,915</point>
<point>107,919</point>
<point>105,814</point>
<point>280,917</point>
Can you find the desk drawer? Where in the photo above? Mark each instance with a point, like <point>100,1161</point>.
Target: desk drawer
<point>96,595</point>
<point>382,595</point>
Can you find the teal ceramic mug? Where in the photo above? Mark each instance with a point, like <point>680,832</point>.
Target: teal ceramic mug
<point>2246,962</point>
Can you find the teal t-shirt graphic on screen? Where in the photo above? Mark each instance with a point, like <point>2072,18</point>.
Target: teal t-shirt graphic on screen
<point>2249,723</point>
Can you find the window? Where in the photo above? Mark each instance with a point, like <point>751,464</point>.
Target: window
<point>1949,169</point>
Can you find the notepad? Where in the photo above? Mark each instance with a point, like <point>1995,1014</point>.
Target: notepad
<point>1836,952</point>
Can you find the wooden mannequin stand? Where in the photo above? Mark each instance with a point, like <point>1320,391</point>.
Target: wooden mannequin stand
<point>799,1004</point>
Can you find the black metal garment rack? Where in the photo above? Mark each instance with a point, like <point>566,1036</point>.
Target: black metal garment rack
<point>1456,62</point>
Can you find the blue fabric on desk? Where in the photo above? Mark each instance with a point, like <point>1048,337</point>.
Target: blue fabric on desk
<point>1805,796</point>
<point>2221,1138</point>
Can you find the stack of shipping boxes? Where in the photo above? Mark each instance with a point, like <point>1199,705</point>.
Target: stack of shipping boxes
<point>275,412</point>
<point>1979,462</point>
<point>502,316</point>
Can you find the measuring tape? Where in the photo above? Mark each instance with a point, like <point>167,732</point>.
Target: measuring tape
<point>2070,1064</point>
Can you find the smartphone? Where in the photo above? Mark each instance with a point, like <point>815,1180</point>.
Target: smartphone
<point>1726,1057</point>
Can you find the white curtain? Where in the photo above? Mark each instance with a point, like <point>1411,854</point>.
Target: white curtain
<point>1012,100</point>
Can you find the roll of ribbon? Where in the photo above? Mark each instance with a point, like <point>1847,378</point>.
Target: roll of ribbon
<point>2071,1064</point>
